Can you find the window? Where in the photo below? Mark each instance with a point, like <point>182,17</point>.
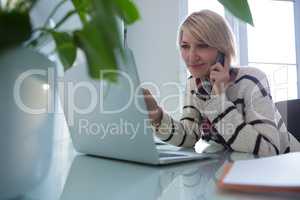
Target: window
<point>271,45</point>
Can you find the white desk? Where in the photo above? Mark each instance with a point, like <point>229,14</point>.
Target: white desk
<point>73,177</point>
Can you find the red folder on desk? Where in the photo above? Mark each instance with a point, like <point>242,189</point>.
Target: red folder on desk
<point>272,174</point>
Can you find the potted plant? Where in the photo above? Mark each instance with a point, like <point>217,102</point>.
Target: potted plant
<point>28,99</point>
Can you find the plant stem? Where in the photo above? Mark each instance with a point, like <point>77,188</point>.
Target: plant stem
<point>69,14</point>
<point>54,11</point>
<point>43,29</point>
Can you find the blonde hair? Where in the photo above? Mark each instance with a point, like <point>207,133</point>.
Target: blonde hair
<point>212,29</point>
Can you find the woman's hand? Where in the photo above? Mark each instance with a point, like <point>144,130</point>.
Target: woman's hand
<point>219,77</point>
<point>155,112</point>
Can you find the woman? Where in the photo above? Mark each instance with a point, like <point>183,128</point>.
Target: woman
<point>225,106</point>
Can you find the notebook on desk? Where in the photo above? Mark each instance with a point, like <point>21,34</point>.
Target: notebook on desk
<point>271,174</point>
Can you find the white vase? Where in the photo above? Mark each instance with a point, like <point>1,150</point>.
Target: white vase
<point>26,120</point>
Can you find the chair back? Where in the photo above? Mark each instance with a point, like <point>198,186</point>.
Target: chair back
<point>290,113</point>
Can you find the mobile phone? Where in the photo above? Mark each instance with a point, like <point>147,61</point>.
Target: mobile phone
<point>206,84</point>
<point>220,58</point>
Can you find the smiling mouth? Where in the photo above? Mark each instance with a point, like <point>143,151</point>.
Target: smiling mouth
<point>197,65</point>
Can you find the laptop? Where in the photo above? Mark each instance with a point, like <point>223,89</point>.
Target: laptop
<point>111,120</point>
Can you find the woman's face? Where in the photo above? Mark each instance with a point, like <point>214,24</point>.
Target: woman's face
<point>197,55</point>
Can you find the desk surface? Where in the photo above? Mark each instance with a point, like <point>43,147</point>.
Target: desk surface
<point>71,176</point>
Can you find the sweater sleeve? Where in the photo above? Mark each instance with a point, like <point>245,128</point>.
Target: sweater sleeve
<point>185,132</point>
<point>254,130</point>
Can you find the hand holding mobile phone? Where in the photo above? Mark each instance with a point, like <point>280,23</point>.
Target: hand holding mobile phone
<point>207,85</point>
<point>219,76</point>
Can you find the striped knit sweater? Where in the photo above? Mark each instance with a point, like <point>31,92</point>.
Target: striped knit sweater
<point>243,119</point>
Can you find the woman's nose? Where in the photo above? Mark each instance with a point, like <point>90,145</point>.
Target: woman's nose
<point>193,55</point>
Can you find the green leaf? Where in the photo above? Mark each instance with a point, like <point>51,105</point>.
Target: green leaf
<point>100,36</point>
<point>238,8</point>
<point>65,47</point>
<point>127,10</point>
<point>98,51</point>
<point>83,8</point>
<point>17,5</point>
<point>24,5</point>
<point>105,20</point>
<point>15,28</point>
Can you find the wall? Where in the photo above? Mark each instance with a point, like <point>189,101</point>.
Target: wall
<point>153,41</point>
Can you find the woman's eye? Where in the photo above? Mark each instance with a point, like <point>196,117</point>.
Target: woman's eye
<point>202,46</point>
<point>184,46</point>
